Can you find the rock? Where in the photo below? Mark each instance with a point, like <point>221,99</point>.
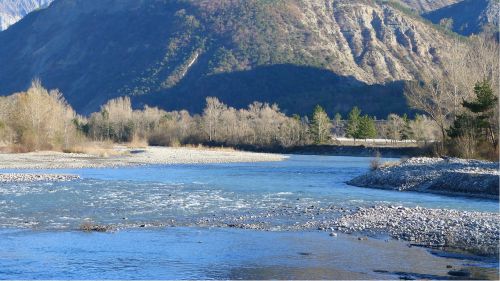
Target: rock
<point>333,234</point>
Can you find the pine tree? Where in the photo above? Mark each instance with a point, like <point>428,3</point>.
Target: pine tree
<point>406,132</point>
<point>366,128</point>
<point>476,124</point>
<point>321,125</point>
<point>353,123</point>
<point>483,107</point>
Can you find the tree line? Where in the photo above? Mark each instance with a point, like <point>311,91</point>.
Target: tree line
<point>39,119</point>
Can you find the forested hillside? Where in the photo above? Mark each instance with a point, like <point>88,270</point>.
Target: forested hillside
<point>174,53</point>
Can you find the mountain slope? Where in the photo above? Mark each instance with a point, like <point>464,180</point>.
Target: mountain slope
<point>174,53</point>
<point>427,5</point>
<point>12,11</point>
<point>469,16</point>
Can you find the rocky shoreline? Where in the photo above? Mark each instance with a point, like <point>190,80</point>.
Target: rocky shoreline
<point>25,177</point>
<point>449,176</point>
<point>474,232</point>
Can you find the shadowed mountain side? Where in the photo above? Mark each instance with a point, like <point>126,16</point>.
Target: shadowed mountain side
<point>88,55</point>
<point>469,16</point>
<point>296,89</point>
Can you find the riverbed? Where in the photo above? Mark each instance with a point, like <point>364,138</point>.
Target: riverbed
<point>231,220</point>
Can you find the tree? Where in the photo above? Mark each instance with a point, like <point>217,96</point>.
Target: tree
<point>431,97</point>
<point>321,125</point>
<point>337,124</point>
<point>406,132</point>
<point>464,133</point>
<point>484,108</point>
<point>211,116</point>
<point>366,128</point>
<point>41,119</point>
<point>423,129</point>
<point>393,127</point>
<point>476,123</point>
<point>353,123</point>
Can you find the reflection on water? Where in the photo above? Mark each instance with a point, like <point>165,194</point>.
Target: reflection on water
<point>201,253</point>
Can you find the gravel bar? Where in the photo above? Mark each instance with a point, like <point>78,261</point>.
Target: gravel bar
<point>450,176</point>
<point>121,156</point>
<point>474,232</point>
<point>18,177</point>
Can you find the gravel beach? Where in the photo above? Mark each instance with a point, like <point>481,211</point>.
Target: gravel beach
<point>450,176</point>
<point>123,156</point>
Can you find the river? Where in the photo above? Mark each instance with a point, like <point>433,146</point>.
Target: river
<point>171,222</point>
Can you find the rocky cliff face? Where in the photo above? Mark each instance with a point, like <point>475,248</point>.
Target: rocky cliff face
<point>12,11</point>
<point>297,53</point>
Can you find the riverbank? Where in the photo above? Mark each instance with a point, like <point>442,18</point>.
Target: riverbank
<point>474,232</point>
<point>450,176</point>
<point>120,156</point>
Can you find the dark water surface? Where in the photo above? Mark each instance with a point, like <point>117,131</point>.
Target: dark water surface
<point>39,222</point>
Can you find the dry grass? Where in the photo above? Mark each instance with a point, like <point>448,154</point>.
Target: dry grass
<point>137,142</point>
<point>212,148</point>
<point>100,149</point>
<point>14,148</point>
<point>376,164</point>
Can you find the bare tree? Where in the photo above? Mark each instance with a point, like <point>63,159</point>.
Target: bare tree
<point>212,116</point>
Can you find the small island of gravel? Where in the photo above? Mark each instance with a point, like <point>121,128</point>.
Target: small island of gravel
<point>121,156</point>
<point>28,177</point>
<point>450,176</point>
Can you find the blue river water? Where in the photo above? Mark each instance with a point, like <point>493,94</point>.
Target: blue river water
<point>39,222</point>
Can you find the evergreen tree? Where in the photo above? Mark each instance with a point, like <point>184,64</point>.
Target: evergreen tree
<point>477,123</point>
<point>353,123</point>
<point>483,107</point>
<point>366,128</point>
<point>321,125</point>
<point>406,132</point>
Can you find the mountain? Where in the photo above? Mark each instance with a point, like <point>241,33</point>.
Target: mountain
<point>174,53</point>
<point>468,17</point>
<point>427,5</point>
<point>12,11</point>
